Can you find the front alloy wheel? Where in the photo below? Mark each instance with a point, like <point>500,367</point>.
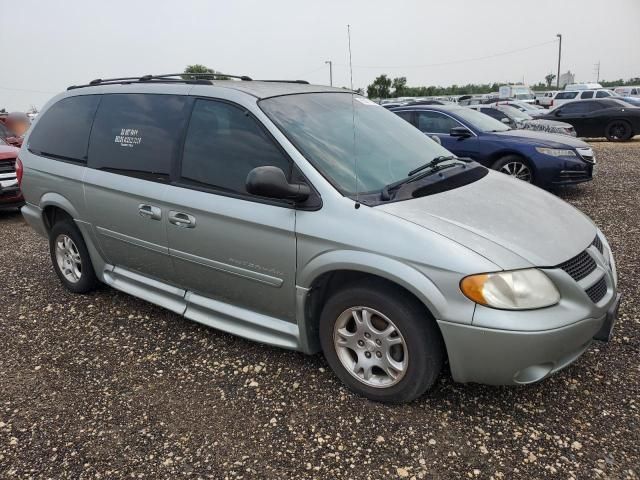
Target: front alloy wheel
<point>370,347</point>
<point>517,169</point>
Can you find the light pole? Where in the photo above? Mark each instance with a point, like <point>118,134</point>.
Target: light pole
<point>330,71</point>
<point>559,56</point>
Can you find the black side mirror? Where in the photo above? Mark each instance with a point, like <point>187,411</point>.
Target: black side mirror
<point>272,183</point>
<point>461,132</point>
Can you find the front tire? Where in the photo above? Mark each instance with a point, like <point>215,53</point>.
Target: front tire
<point>514,166</point>
<point>381,342</point>
<point>618,131</point>
<point>70,257</point>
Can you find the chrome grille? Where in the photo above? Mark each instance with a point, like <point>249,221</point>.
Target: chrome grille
<point>579,266</point>
<point>597,291</point>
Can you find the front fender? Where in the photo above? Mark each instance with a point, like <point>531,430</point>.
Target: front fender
<point>397,272</point>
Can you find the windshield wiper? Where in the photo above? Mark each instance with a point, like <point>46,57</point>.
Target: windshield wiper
<point>434,167</point>
<point>432,163</point>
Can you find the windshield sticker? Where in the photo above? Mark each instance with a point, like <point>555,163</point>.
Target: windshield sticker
<point>364,101</point>
<point>129,137</point>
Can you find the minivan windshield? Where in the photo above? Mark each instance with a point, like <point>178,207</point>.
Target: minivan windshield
<point>321,126</point>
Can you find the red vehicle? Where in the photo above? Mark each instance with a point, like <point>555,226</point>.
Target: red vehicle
<point>10,195</point>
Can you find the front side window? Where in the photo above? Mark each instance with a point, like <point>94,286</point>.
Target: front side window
<point>138,134</point>
<point>575,107</point>
<point>436,122</point>
<point>223,144</point>
<point>603,94</point>
<point>340,133</point>
<point>63,130</point>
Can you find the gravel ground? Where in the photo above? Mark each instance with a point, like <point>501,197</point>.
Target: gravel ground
<point>108,386</point>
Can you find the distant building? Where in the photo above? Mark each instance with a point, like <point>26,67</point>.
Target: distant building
<point>567,78</point>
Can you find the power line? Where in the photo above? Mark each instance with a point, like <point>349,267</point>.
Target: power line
<point>27,90</point>
<point>454,61</point>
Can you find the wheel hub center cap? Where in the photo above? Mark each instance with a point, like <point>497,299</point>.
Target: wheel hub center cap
<point>370,346</point>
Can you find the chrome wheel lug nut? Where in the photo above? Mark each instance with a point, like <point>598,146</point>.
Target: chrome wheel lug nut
<point>367,335</point>
<point>367,354</point>
<point>378,342</point>
<point>361,343</point>
<point>378,354</point>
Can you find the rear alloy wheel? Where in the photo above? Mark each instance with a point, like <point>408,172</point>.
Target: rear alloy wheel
<point>515,167</point>
<point>618,131</point>
<point>70,257</point>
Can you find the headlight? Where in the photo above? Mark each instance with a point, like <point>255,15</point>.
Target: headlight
<point>515,290</point>
<point>556,152</point>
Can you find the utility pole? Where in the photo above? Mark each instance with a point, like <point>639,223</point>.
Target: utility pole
<point>596,68</point>
<point>559,56</point>
<point>330,71</point>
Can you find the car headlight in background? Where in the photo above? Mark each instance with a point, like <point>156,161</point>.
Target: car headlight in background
<point>556,152</point>
<point>514,290</point>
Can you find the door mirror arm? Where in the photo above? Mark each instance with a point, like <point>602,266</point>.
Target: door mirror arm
<point>271,182</point>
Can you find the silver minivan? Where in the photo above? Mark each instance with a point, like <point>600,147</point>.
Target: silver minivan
<point>313,219</point>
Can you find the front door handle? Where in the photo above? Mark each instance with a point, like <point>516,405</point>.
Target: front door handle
<point>149,211</point>
<point>181,219</point>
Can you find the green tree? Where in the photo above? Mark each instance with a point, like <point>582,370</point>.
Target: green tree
<point>380,88</point>
<point>549,78</point>
<point>399,85</point>
<point>197,68</point>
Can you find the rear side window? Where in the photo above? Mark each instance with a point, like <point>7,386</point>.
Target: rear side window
<point>63,131</point>
<point>603,94</point>
<point>138,134</point>
<point>587,94</point>
<point>223,144</point>
<point>566,95</point>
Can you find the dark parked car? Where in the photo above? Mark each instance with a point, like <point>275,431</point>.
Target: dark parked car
<point>607,117</point>
<point>544,159</point>
<point>516,119</point>
<point>10,195</point>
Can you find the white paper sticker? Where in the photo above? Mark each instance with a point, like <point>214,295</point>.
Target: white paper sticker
<point>129,137</point>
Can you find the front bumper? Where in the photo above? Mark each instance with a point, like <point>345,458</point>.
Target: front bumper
<point>10,197</point>
<point>492,351</point>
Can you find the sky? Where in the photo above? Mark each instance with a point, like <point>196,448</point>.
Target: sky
<point>48,45</point>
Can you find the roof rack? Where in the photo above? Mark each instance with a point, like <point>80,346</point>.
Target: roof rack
<point>197,78</point>
<point>193,78</point>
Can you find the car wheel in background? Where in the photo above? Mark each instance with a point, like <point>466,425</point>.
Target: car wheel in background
<point>70,257</point>
<point>381,342</point>
<point>514,166</point>
<point>618,131</point>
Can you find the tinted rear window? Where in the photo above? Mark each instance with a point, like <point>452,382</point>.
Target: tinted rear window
<point>63,131</point>
<point>138,134</point>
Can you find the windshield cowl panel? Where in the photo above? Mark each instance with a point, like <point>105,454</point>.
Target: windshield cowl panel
<point>342,134</point>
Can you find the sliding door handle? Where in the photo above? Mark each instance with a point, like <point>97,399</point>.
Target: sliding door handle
<point>149,211</point>
<point>180,219</point>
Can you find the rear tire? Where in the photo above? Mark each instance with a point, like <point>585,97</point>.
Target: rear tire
<point>396,344</point>
<point>516,167</point>
<point>70,257</point>
<point>618,131</point>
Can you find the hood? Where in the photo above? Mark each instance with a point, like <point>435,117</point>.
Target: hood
<point>517,217</point>
<point>551,123</point>
<point>538,138</point>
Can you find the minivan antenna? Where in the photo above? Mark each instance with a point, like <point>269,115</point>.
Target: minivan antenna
<point>353,119</point>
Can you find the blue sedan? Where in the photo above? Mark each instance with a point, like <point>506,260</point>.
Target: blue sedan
<point>544,159</point>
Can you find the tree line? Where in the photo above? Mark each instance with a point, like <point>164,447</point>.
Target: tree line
<point>385,87</point>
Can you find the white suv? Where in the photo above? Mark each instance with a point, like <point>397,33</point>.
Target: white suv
<point>571,95</point>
